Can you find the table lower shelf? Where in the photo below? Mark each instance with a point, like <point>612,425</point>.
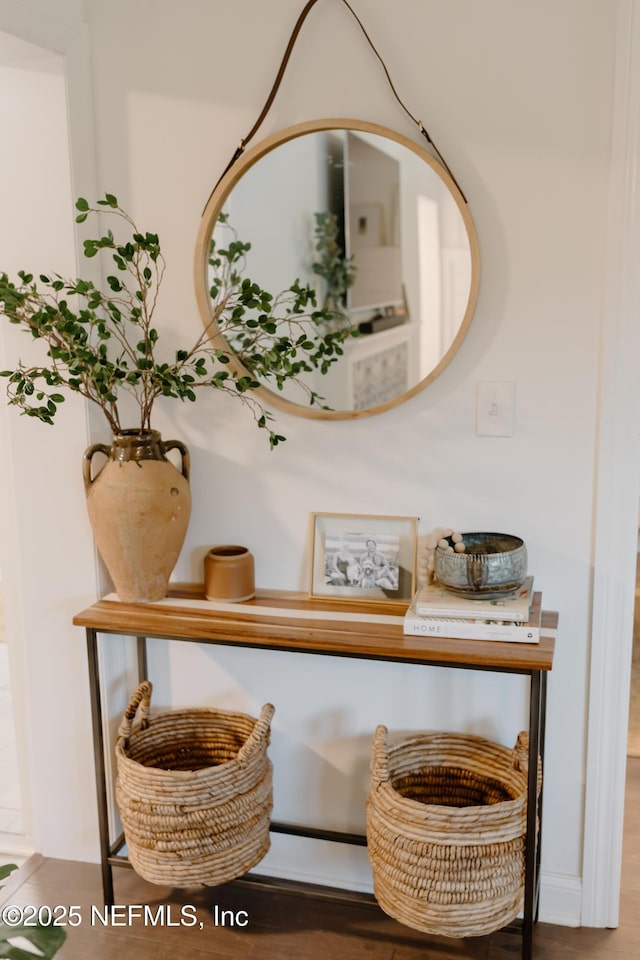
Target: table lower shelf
<point>298,888</point>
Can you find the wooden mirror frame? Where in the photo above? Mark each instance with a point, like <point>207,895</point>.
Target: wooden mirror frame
<point>214,207</point>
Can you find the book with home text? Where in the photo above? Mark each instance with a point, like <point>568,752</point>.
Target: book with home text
<point>477,628</point>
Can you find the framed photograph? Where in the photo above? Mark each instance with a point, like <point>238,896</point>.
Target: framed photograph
<point>365,224</point>
<point>359,557</point>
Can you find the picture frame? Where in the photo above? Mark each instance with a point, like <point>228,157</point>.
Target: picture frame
<point>363,557</point>
<point>366,224</point>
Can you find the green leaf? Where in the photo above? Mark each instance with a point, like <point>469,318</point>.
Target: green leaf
<point>7,868</point>
<point>81,204</point>
<point>45,941</point>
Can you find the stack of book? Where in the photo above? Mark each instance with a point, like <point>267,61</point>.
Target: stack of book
<point>437,612</point>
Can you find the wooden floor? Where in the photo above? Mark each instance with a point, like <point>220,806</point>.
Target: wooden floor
<point>287,926</point>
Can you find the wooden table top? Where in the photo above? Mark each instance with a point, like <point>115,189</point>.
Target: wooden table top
<point>291,621</point>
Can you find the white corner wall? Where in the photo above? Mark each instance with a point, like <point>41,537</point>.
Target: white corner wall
<point>519,99</point>
<point>47,552</point>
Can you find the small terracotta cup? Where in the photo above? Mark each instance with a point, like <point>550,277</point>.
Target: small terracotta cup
<point>229,574</point>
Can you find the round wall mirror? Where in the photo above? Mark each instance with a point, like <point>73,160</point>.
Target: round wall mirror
<point>380,230</point>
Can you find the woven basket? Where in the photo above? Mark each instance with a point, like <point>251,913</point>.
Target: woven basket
<point>194,789</point>
<point>446,826</point>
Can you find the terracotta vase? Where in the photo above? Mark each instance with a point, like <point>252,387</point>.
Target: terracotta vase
<point>139,506</point>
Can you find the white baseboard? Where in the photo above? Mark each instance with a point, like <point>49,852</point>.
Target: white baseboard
<point>560,899</point>
<point>317,879</point>
<point>315,861</point>
<point>15,844</point>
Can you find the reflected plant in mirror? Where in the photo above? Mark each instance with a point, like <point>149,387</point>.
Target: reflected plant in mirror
<point>337,270</point>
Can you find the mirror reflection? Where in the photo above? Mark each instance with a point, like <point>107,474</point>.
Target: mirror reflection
<point>378,228</point>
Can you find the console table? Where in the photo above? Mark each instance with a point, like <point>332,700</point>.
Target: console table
<point>288,621</point>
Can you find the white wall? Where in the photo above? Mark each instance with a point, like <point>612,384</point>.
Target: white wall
<point>47,554</point>
<point>282,243</point>
<point>518,99</point>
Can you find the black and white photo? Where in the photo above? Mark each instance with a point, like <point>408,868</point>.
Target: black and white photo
<point>363,557</point>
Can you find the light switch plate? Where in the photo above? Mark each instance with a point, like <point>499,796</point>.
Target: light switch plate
<point>495,408</point>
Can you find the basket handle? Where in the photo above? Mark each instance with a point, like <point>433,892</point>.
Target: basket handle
<point>521,751</point>
<point>142,699</point>
<point>380,756</point>
<point>521,756</point>
<point>258,735</point>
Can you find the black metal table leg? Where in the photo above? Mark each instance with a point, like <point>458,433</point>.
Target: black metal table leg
<point>543,732</point>
<point>531,844</point>
<point>98,754</point>
<point>143,666</point>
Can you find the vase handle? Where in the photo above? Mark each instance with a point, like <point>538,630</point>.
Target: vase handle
<point>87,457</point>
<point>186,459</point>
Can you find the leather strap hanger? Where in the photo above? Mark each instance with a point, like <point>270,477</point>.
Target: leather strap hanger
<point>283,65</point>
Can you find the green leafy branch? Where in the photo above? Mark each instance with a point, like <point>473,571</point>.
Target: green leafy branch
<point>104,346</point>
<point>275,339</point>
